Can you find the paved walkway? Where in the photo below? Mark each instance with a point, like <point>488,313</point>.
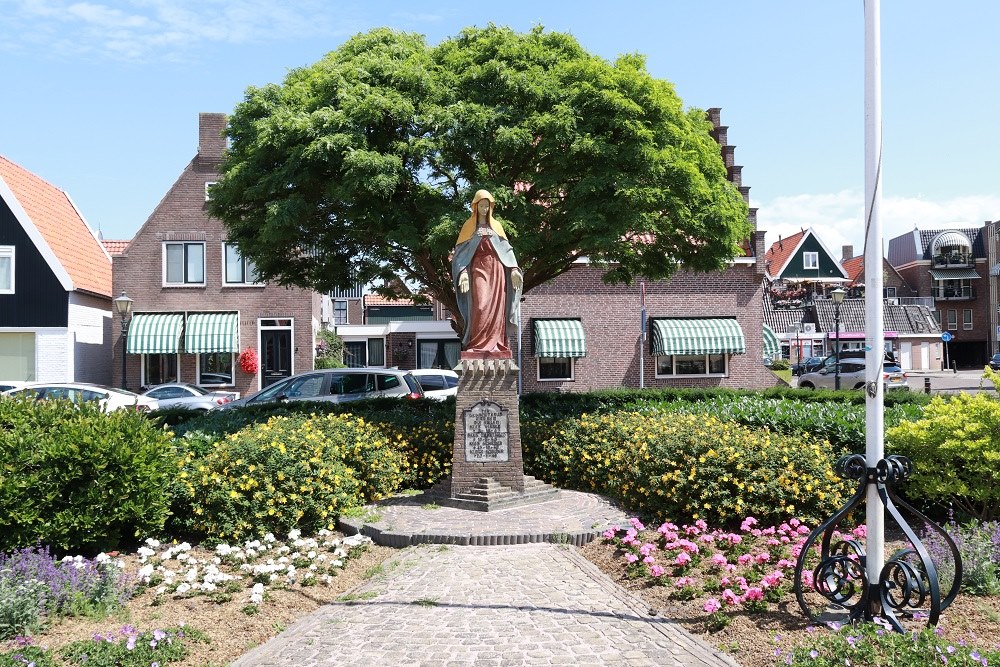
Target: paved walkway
<point>526,604</point>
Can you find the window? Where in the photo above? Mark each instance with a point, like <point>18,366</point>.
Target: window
<point>937,317</point>
<point>6,269</point>
<point>967,319</point>
<point>340,311</point>
<point>354,353</point>
<point>376,352</point>
<point>215,368</point>
<point>158,369</point>
<point>387,381</point>
<point>691,364</point>
<point>239,270</point>
<point>438,353</point>
<point>555,368</point>
<point>208,190</point>
<point>352,383</point>
<point>952,320</point>
<point>810,260</point>
<point>184,263</point>
<point>890,292</point>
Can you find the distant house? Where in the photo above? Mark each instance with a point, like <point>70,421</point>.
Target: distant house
<point>197,302</point>
<point>952,269</point>
<point>803,258</point>
<point>55,285</point>
<point>894,286</point>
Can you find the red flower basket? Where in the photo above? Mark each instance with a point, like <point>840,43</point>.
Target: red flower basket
<point>249,361</point>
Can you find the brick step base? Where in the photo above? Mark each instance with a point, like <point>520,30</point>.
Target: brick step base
<point>486,494</point>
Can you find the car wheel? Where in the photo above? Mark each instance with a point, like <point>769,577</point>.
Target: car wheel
<point>807,385</point>
<point>860,385</point>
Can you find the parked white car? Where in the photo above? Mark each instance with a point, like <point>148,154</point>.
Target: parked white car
<point>438,383</point>
<point>7,385</point>
<point>193,397</point>
<point>109,398</point>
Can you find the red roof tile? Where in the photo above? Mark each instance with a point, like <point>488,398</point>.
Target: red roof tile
<point>62,227</point>
<point>855,268</point>
<point>115,247</point>
<point>781,251</point>
<point>378,300</point>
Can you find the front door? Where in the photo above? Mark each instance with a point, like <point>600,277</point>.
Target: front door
<point>276,363</point>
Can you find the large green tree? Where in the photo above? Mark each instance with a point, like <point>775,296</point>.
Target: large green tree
<point>363,165</point>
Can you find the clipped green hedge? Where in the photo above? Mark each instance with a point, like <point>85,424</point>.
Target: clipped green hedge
<point>77,479</point>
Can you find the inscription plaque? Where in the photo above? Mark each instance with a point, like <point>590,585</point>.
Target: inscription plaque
<point>486,438</point>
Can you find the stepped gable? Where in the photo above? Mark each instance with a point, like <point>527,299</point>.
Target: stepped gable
<point>734,172</point>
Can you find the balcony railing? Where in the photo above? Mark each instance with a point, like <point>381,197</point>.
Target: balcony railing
<point>916,301</point>
<point>953,293</point>
<point>954,260</point>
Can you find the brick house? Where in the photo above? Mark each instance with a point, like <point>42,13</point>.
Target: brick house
<point>702,329</point>
<point>196,302</point>
<point>952,268</point>
<point>55,285</point>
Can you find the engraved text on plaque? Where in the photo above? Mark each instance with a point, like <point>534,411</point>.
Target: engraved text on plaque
<point>486,437</point>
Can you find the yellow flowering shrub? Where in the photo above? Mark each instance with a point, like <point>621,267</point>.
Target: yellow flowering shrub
<point>955,449</point>
<point>290,472</point>
<point>688,467</point>
<point>428,449</point>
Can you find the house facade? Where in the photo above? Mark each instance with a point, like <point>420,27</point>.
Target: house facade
<point>198,308</point>
<point>952,269</point>
<point>55,285</point>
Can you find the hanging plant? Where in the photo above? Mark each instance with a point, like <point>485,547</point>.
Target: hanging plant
<point>249,361</point>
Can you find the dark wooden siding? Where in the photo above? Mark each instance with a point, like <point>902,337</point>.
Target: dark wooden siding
<point>39,300</point>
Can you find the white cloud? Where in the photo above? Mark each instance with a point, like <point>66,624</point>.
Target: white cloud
<point>145,29</point>
<point>838,218</point>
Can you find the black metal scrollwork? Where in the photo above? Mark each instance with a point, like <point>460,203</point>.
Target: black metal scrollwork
<point>908,583</point>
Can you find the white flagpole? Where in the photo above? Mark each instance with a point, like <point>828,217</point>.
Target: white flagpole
<point>874,417</point>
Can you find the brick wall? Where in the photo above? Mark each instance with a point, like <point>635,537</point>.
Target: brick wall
<point>610,315</point>
<point>182,216</point>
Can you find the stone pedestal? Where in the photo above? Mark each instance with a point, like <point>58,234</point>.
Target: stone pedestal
<point>487,469</point>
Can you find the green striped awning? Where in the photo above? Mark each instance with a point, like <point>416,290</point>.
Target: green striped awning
<point>559,338</point>
<point>772,348</point>
<point>154,333</point>
<point>212,332</point>
<point>697,336</point>
<point>954,274</point>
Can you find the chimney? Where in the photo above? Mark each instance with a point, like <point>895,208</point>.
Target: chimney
<point>211,135</point>
<point>847,252</point>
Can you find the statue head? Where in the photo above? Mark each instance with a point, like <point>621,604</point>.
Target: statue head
<point>481,199</point>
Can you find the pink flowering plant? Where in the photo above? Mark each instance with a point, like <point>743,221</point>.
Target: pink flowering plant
<point>748,570</point>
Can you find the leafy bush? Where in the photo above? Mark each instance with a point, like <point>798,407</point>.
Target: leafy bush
<point>291,472</point>
<point>24,654</point>
<point>686,467</point>
<point>78,479</point>
<point>956,452</point>
<point>329,350</point>
<point>35,587</point>
<point>872,645</point>
<point>780,365</point>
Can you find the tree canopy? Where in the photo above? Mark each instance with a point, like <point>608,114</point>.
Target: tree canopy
<point>361,167</point>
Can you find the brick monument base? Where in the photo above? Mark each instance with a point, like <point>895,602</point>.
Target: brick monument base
<point>487,469</point>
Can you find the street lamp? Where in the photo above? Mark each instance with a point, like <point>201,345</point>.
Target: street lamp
<point>123,305</point>
<point>838,298</point>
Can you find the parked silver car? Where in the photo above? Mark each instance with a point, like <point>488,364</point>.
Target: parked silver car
<point>852,376</point>
<point>338,385</point>
<point>109,398</point>
<point>193,397</point>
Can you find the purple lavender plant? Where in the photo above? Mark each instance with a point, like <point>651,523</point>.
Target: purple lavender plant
<point>979,545</point>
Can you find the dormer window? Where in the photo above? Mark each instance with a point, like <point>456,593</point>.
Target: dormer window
<point>6,269</point>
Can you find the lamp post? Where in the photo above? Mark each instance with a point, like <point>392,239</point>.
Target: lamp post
<point>838,298</point>
<point>123,305</point>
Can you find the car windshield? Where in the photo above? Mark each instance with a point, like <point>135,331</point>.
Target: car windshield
<point>196,389</point>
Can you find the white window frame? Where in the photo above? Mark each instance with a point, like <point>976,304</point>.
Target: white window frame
<point>347,311</point>
<point>9,251</point>
<point>204,272</point>
<point>197,370</point>
<point>676,375</point>
<point>890,292</point>
<point>208,187</point>
<point>807,256</point>
<point>953,320</point>
<point>142,367</point>
<point>572,370</point>
<point>967,319</point>
<point>225,268</point>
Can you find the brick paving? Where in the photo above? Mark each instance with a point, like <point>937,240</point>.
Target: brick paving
<point>526,604</point>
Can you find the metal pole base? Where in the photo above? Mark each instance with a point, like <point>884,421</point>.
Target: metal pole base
<point>908,584</point>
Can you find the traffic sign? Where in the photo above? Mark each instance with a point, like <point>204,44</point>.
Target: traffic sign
<point>947,337</point>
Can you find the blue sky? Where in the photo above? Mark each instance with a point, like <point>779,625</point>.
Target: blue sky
<point>102,98</point>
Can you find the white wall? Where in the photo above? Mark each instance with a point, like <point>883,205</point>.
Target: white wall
<point>90,339</point>
<point>53,355</point>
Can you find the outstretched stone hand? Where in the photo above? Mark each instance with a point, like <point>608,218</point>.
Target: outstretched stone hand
<point>516,279</point>
<point>463,282</point>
